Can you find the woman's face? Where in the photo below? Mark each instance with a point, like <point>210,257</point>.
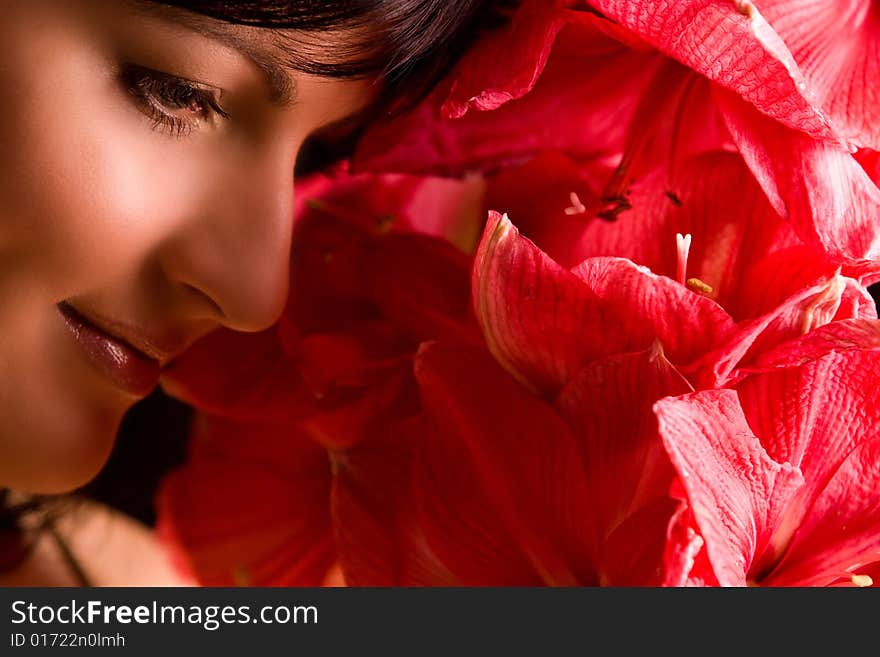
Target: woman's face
<point>138,211</point>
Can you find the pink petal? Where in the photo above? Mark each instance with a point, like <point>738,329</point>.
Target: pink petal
<point>837,46</point>
<point>837,337</point>
<point>842,531</point>
<point>685,562</point>
<point>833,300</point>
<point>819,414</point>
<point>650,307</point>
<point>739,51</point>
<point>737,492</point>
<point>539,320</point>
<point>818,186</point>
<point>782,274</point>
<point>608,406</point>
<point>544,323</point>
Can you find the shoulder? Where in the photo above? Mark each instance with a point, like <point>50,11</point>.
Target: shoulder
<point>111,548</point>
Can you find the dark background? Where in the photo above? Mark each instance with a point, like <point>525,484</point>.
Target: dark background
<point>152,440</point>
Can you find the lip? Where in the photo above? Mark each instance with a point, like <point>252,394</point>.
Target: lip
<point>130,368</point>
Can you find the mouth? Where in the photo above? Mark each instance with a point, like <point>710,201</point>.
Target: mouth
<point>133,369</point>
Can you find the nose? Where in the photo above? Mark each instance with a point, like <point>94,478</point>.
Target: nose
<point>235,253</point>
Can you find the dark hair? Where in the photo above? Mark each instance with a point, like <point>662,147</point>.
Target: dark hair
<point>409,43</point>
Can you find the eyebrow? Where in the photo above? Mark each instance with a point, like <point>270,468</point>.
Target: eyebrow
<point>282,87</point>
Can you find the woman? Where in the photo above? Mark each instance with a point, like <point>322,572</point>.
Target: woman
<point>147,152</point>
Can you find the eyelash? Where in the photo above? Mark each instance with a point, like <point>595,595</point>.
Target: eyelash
<point>160,94</point>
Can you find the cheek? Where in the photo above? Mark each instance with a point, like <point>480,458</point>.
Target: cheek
<point>88,189</point>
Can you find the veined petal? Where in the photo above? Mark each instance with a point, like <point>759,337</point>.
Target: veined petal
<point>608,406</point>
<point>650,307</point>
<point>736,49</point>
<point>837,337</point>
<point>842,529</point>
<point>818,186</point>
<point>737,492</point>
<point>819,413</point>
<point>540,320</point>
<point>685,562</point>
<point>545,323</point>
<point>838,299</point>
<point>837,47</point>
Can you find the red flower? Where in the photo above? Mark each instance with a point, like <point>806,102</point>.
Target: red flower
<point>514,490</point>
<point>543,322</point>
<point>265,505</point>
<point>779,477</point>
<point>835,46</point>
<point>724,77</point>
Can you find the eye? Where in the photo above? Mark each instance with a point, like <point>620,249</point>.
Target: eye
<point>174,104</point>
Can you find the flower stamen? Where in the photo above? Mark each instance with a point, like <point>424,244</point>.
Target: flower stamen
<point>861,581</point>
<point>577,207</point>
<point>683,245</point>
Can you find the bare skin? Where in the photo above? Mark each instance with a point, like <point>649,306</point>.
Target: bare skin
<point>146,183</point>
<point>131,198</point>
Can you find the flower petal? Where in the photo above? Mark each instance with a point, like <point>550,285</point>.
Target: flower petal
<point>522,455</point>
<point>506,63</point>
<point>842,530</point>
<point>608,406</point>
<point>819,413</point>
<point>737,492</point>
<point>817,185</point>
<point>836,299</point>
<point>837,337</point>
<point>586,116</point>
<point>215,515</point>
<point>836,46</point>
<point>544,323</point>
<point>245,376</point>
<point>736,49</point>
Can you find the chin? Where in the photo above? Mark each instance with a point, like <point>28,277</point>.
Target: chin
<point>60,453</point>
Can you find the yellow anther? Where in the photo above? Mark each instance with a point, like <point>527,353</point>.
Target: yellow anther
<point>745,7</point>
<point>861,580</point>
<point>697,285</point>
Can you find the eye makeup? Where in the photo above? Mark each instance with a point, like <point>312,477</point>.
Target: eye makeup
<point>176,105</point>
